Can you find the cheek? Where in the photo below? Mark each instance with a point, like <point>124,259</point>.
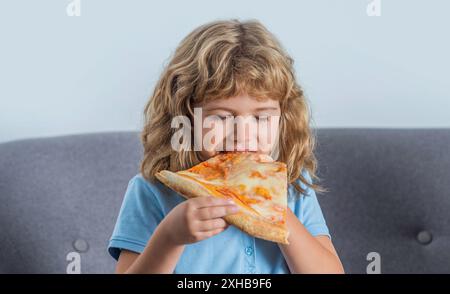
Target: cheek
<point>205,155</point>
<point>213,137</point>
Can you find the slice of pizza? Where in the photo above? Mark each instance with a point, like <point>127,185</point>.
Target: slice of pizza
<point>255,182</point>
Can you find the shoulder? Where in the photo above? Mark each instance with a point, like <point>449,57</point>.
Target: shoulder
<point>139,182</point>
<point>307,208</point>
<point>140,189</point>
<point>294,193</point>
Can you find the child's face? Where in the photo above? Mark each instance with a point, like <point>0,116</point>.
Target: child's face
<point>255,126</point>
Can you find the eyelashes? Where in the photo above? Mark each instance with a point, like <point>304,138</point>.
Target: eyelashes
<point>225,117</point>
<point>260,118</point>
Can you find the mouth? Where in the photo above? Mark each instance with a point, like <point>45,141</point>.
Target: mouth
<point>237,151</point>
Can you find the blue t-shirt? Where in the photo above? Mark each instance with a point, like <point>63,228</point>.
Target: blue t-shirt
<point>231,251</point>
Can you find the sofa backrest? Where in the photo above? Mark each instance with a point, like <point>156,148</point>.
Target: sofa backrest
<point>389,194</point>
<point>61,195</point>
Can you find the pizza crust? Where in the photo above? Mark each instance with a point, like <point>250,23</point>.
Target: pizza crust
<point>259,228</point>
<point>182,185</point>
<point>247,222</point>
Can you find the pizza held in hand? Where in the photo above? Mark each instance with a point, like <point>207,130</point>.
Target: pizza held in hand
<point>255,182</point>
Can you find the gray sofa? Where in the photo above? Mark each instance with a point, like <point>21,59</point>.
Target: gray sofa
<point>389,194</point>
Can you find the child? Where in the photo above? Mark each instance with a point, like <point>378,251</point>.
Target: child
<point>228,69</point>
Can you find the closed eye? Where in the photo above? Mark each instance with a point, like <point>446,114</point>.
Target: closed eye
<point>224,117</point>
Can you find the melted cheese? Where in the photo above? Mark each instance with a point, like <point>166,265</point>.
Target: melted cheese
<point>253,181</point>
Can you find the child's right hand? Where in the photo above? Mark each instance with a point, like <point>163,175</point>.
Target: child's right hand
<point>197,219</point>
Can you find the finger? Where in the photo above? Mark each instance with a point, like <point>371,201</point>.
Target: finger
<point>212,224</point>
<point>212,201</point>
<point>213,212</point>
<point>209,234</point>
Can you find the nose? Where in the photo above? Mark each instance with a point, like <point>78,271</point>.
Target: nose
<point>246,135</point>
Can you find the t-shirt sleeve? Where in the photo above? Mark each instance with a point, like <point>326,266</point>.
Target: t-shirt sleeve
<point>307,209</point>
<point>138,218</point>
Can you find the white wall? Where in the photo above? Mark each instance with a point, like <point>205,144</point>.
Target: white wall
<point>63,75</point>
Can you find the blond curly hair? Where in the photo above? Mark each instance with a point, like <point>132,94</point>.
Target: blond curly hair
<point>223,59</point>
